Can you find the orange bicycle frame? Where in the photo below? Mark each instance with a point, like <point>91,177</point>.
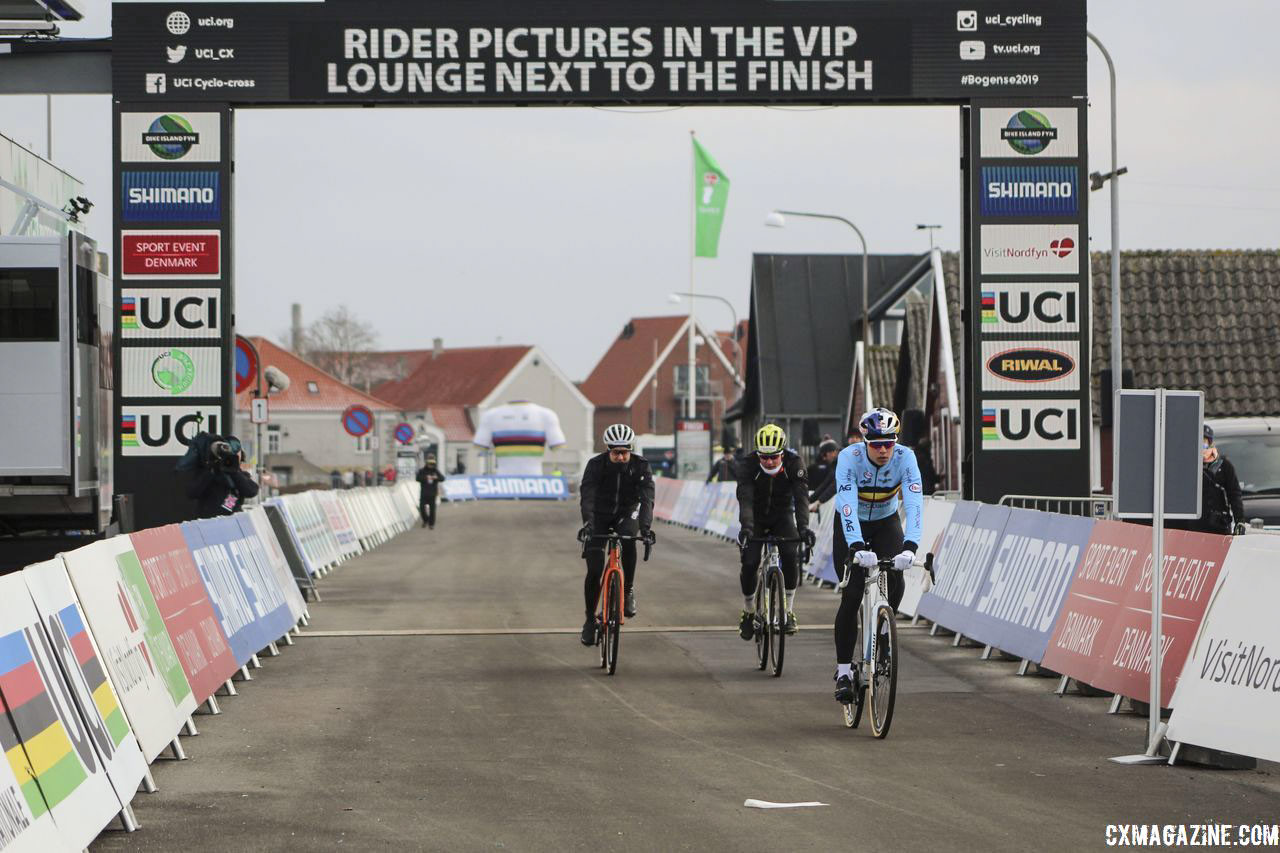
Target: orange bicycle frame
<point>613,566</point>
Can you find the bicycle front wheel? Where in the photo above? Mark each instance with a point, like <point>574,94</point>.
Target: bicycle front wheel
<point>777,617</point>
<point>761,621</point>
<point>884,669</point>
<point>613,622</point>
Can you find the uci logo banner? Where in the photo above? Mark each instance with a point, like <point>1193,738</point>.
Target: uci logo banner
<point>164,430</point>
<point>1031,425</point>
<point>1029,308</point>
<point>170,313</point>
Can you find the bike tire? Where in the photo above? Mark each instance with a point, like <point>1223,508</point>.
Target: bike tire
<point>777,616</point>
<point>613,622</point>
<point>760,621</point>
<point>883,687</point>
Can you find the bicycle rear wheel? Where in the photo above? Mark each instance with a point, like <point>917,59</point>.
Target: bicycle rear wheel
<point>613,621</point>
<point>884,678</point>
<point>777,616</point>
<point>760,620</point>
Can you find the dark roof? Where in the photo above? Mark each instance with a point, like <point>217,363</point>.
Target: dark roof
<point>462,376</point>
<point>883,370</point>
<point>629,358</point>
<point>1206,320</point>
<point>806,316</point>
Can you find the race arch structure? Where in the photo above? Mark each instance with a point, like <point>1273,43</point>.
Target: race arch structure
<point>1016,70</point>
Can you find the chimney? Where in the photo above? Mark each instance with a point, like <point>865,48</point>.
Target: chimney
<point>437,347</point>
<point>295,334</point>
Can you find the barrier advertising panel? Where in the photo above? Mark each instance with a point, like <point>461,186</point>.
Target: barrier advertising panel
<point>1017,604</point>
<point>518,488</point>
<point>287,539</point>
<point>95,698</point>
<point>24,828</point>
<point>1235,662</point>
<point>56,757</point>
<point>336,518</point>
<point>961,562</point>
<point>256,518</point>
<point>937,515</point>
<point>184,606</point>
<point>140,658</point>
<point>1103,632</point>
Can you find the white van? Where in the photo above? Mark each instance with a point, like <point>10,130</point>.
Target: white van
<point>1253,446</point>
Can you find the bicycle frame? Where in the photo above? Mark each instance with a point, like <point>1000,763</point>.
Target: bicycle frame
<point>612,566</point>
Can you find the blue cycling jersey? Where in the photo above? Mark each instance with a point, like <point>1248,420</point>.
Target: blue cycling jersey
<point>878,490</point>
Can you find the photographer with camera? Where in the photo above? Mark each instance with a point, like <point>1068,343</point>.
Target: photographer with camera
<point>220,485</point>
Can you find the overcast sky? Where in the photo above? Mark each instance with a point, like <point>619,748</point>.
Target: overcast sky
<point>553,226</point>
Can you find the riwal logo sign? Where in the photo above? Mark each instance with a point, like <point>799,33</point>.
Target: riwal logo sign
<point>164,430</point>
<point>170,313</point>
<point>522,488</point>
<point>1029,307</point>
<point>1019,365</point>
<point>186,371</point>
<point>1030,190</point>
<point>170,196</point>
<point>1031,424</point>
<point>1030,250</point>
<point>155,137</point>
<point>1039,132</point>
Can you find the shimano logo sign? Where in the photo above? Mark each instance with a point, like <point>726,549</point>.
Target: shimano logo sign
<point>1030,190</point>
<point>543,488</point>
<point>170,196</point>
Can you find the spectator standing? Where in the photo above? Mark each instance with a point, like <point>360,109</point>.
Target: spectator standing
<point>722,471</point>
<point>1222,508</point>
<point>428,478</point>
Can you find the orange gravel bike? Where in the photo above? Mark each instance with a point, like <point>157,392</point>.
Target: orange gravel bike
<point>609,617</point>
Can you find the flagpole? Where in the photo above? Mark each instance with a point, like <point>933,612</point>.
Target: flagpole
<point>690,408</point>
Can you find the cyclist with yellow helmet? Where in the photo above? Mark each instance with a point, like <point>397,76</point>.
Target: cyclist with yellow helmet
<point>773,500</point>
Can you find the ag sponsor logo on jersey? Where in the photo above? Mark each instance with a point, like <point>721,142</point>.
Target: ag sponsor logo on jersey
<point>1039,132</point>
<point>154,137</point>
<point>170,196</point>
<point>1029,307</point>
<point>164,430</point>
<point>1030,250</point>
<point>170,313</point>
<point>1018,365</point>
<point>1030,190</point>
<point>1031,424</point>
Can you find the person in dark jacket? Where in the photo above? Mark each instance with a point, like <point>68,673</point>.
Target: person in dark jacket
<point>429,478</point>
<point>616,494</point>
<point>220,486</point>
<point>1222,507</point>
<point>773,500</point>
<point>822,473</point>
<point>722,471</point>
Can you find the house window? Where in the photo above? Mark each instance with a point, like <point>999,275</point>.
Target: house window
<point>273,439</point>
<point>681,380</point>
<point>364,444</point>
<point>313,388</point>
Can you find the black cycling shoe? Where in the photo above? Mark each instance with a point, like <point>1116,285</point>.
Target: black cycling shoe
<point>589,632</point>
<point>845,690</point>
<point>789,627</point>
<point>746,626</point>
<point>629,604</point>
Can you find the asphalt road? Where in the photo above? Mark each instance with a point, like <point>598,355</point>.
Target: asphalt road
<point>440,700</point>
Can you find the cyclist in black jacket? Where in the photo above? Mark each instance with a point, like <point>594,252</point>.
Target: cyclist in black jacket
<point>773,500</point>
<point>616,494</point>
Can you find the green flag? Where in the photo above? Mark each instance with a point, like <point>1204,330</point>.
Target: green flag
<point>710,193</point>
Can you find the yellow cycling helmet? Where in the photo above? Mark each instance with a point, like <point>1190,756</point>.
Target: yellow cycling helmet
<point>770,439</point>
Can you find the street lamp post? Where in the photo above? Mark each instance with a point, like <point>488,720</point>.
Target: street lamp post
<point>930,229</point>
<point>778,219</point>
<point>733,338</point>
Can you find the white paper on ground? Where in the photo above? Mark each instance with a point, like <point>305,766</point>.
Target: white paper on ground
<point>765,804</point>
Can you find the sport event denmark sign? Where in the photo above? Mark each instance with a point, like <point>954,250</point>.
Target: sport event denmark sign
<point>171,254</point>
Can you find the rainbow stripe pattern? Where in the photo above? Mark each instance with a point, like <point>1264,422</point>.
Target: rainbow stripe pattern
<point>128,430</point>
<point>94,675</point>
<point>989,431</point>
<point>128,312</point>
<point>43,760</point>
<point>989,307</point>
<point>509,443</point>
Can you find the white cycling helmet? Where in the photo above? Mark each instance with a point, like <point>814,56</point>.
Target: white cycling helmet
<point>619,435</point>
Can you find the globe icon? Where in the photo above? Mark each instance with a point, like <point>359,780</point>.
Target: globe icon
<point>1029,120</point>
<point>168,125</point>
<point>178,23</point>
<point>173,371</point>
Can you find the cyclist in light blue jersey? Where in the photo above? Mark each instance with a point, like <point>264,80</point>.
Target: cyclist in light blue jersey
<point>872,478</point>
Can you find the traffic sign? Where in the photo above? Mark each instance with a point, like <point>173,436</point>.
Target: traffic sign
<point>246,364</point>
<point>357,420</point>
<point>404,433</point>
<point>259,411</point>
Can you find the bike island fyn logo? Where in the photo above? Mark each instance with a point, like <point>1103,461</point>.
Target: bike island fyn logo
<point>1029,132</point>
<point>170,137</point>
<point>173,371</point>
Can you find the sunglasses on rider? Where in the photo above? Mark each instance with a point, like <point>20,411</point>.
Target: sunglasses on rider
<point>619,451</point>
<point>770,455</point>
<point>883,443</point>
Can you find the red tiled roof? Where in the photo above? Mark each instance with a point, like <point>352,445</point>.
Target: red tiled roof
<point>331,395</point>
<point>394,364</point>
<point>462,377</point>
<point>626,362</point>
<point>454,421</point>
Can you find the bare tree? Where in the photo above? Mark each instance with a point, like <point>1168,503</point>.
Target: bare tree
<point>341,343</point>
